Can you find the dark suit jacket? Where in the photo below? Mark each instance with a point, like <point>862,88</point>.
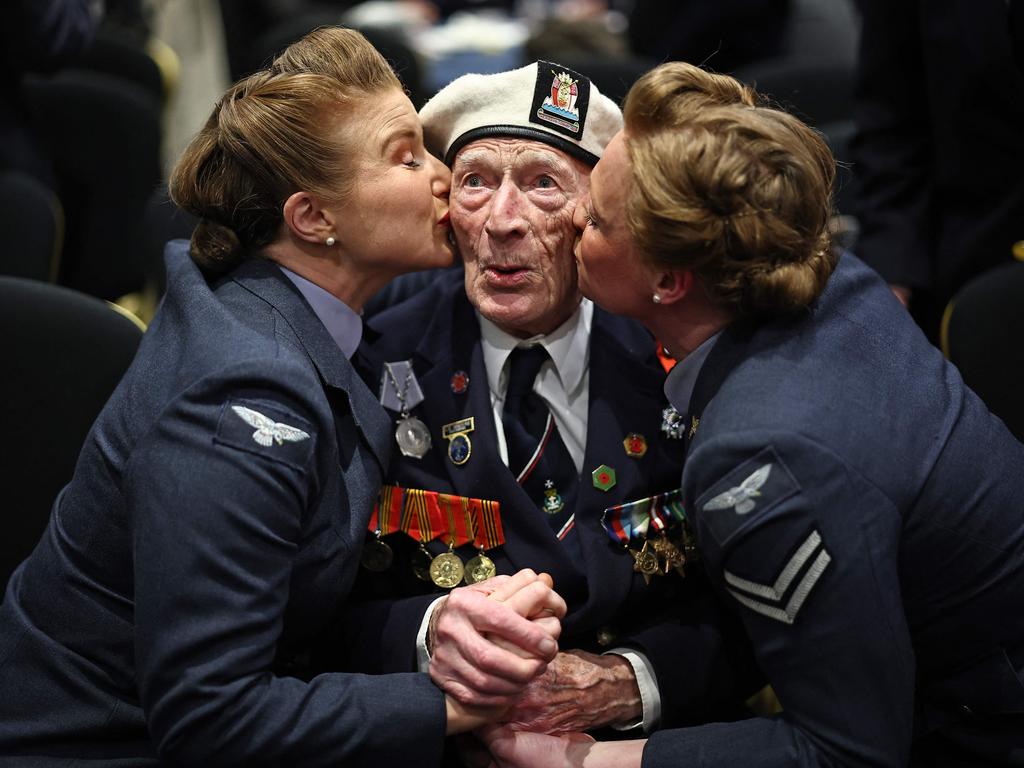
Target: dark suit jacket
<point>671,620</point>
<point>878,566</point>
<point>187,568</point>
<point>939,158</point>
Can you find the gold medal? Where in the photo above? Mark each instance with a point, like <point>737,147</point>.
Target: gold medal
<point>421,560</point>
<point>645,561</point>
<point>670,555</point>
<point>446,570</point>
<point>480,568</point>
<point>376,555</point>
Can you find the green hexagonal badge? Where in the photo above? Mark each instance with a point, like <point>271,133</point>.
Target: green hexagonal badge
<point>604,477</point>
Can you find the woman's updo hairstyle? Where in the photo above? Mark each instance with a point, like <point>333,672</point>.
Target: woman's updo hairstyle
<point>272,134</point>
<point>736,192</point>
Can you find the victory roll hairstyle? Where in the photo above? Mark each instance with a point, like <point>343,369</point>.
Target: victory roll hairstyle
<point>737,192</point>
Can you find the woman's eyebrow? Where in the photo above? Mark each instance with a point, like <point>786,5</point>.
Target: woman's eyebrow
<point>397,134</point>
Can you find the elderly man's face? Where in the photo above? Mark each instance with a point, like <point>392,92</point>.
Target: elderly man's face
<point>511,209</point>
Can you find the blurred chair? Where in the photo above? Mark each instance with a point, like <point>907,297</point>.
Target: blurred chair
<point>814,75</point>
<point>983,335</point>
<point>148,63</point>
<point>65,354</point>
<point>104,136</point>
<point>161,221</point>
<point>32,223</point>
<point>244,22</point>
<point>390,43</point>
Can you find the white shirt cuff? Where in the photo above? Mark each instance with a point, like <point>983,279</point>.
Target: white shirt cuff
<point>650,697</point>
<point>422,654</point>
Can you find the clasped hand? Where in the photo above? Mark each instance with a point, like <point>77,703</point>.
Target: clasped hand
<point>489,640</point>
<point>494,652</point>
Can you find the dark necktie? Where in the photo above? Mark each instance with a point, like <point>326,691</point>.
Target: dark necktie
<point>536,454</point>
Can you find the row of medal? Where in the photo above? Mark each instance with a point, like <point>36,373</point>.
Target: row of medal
<point>647,528</point>
<point>428,515</point>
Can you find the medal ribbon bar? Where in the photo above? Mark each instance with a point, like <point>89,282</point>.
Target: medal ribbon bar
<point>629,522</point>
<point>423,515</point>
<point>387,512</point>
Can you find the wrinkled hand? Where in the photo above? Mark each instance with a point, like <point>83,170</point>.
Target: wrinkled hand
<point>518,749</point>
<point>488,640</point>
<point>578,691</point>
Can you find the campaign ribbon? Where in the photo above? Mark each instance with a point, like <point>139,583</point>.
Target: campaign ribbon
<point>387,512</point>
<point>426,515</point>
<point>486,515</point>
<point>630,521</point>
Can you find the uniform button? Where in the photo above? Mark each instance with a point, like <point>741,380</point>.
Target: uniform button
<point>605,636</point>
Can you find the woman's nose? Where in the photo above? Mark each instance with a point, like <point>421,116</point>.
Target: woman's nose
<point>441,184</point>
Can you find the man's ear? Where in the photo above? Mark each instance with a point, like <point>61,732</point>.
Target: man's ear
<point>675,285</point>
<point>306,219</point>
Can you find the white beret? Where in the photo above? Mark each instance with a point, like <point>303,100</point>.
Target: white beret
<point>542,101</point>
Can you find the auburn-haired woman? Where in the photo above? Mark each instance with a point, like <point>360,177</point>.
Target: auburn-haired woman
<point>213,526</point>
<point>854,502</point>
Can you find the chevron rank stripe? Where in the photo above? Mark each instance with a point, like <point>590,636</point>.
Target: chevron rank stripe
<point>756,596</point>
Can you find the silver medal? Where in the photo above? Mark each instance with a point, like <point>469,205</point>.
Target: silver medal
<point>411,434</point>
<point>413,437</point>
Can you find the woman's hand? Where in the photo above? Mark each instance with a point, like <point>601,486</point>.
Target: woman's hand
<point>520,749</point>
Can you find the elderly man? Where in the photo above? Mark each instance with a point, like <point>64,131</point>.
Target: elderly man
<point>529,420</point>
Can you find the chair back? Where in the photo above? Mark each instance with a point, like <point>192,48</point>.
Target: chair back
<point>32,223</point>
<point>103,133</point>
<point>65,353</point>
<point>982,334</point>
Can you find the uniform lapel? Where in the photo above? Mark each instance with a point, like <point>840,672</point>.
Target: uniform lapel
<point>625,396</point>
<point>265,279</point>
<point>450,344</point>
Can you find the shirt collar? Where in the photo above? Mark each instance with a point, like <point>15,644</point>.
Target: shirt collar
<point>682,378</point>
<point>568,346</point>
<point>340,320</point>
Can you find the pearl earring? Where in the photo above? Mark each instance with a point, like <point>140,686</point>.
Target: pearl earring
<point>330,241</point>
<point>656,298</point>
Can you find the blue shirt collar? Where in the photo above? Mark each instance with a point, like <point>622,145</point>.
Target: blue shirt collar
<point>341,322</point>
<point>682,378</point>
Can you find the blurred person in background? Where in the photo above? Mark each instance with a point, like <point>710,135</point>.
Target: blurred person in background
<point>36,36</point>
<point>939,156</point>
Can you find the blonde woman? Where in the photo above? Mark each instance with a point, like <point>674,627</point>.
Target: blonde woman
<point>213,526</point>
<point>854,503</point>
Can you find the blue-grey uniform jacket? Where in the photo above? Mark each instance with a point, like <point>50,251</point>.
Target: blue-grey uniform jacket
<point>200,549</point>
<point>864,513</point>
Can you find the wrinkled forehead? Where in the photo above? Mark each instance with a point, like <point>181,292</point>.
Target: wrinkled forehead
<point>511,154</point>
